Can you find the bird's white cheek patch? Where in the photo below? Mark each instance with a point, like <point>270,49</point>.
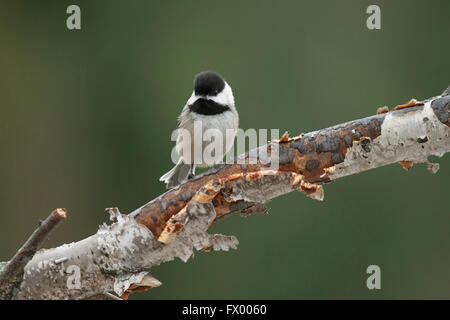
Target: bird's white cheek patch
<point>225,97</point>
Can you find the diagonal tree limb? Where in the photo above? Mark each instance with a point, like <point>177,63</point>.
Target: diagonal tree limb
<point>119,256</point>
<point>11,272</point>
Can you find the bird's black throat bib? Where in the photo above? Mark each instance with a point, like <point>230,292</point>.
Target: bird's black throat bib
<point>208,107</point>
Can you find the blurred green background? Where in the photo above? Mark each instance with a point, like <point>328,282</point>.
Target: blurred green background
<point>86,118</point>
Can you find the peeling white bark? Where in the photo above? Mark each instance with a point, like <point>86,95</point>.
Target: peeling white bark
<point>399,141</point>
<point>115,258</point>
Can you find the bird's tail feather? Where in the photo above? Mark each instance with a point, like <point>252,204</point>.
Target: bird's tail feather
<point>177,175</point>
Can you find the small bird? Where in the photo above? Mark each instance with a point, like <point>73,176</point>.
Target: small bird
<point>212,105</point>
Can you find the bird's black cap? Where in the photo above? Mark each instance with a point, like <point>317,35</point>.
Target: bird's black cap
<point>208,83</point>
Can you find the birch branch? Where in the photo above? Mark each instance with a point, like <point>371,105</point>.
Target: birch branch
<point>119,256</point>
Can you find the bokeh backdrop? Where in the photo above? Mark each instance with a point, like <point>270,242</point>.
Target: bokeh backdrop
<point>86,118</point>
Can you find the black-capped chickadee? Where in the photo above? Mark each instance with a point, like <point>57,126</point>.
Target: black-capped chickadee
<point>211,106</point>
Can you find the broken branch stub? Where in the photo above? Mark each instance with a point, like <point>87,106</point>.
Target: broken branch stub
<point>120,255</point>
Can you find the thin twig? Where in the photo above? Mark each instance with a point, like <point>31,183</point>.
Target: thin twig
<point>12,271</point>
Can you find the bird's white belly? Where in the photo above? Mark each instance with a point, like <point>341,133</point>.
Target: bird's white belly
<point>205,151</point>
